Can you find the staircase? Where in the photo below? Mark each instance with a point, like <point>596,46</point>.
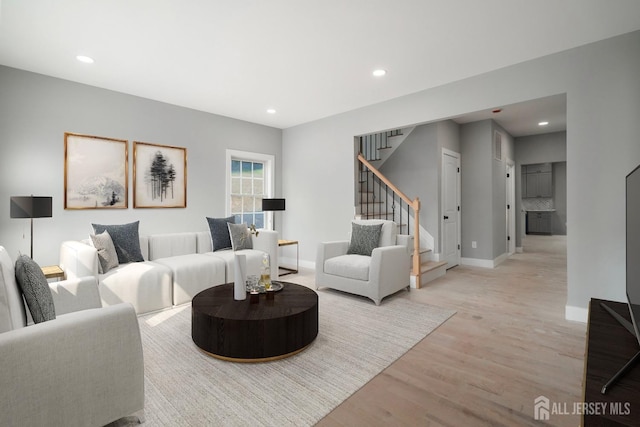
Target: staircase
<point>429,269</point>
<point>378,198</point>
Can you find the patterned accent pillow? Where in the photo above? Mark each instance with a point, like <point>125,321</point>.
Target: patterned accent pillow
<point>125,239</point>
<point>364,238</point>
<point>107,254</point>
<point>35,289</point>
<point>240,236</point>
<point>220,237</point>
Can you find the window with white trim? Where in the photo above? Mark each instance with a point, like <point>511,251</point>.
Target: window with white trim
<point>249,180</point>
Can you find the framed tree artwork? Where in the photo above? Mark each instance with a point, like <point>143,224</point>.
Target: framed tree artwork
<point>159,176</point>
<point>95,172</point>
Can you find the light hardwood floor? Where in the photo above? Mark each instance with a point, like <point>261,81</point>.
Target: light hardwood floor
<point>507,344</point>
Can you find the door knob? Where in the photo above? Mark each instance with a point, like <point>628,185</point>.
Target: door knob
<point>446,217</point>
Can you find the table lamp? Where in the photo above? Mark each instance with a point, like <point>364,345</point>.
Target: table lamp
<point>269,205</point>
<point>31,207</point>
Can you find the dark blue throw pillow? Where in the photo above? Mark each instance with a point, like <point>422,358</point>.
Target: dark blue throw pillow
<point>125,239</point>
<point>220,237</point>
<point>35,288</point>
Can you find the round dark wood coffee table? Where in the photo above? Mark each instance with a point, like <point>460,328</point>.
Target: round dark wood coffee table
<point>243,332</point>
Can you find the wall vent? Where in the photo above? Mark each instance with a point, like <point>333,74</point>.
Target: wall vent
<point>497,145</point>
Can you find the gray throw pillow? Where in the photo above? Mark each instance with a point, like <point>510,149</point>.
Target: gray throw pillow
<point>35,288</point>
<point>240,236</point>
<point>220,237</point>
<point>364,238</point>
<point>125,239</point>
<point>106,251</point>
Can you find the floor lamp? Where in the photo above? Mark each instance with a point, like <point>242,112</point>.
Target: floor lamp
<point>31,207</point>
<point>269,205</point>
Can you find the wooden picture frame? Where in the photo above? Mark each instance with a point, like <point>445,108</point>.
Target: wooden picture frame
<point>159,176</point>
<point>95,172</point>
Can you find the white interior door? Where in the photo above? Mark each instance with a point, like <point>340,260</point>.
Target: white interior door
<point>511,208</point>
<point>450,208</point>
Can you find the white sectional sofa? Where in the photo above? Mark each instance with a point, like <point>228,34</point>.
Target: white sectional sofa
<point>83,368</point>
<point>177,266</point>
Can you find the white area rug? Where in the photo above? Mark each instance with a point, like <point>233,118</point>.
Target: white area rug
<point>356,341</point>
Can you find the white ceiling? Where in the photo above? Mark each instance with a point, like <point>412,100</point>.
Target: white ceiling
<point>308,59</point>
<point>523,119</point>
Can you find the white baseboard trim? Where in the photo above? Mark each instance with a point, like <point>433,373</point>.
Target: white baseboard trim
<point>308,264</point>
<point>500,259</point>
<point>485,263</point>
<point>577,314</point>
<point>291,263</point>
<point>475,262</point>
<point>519,249</point>
<point>286,262</point>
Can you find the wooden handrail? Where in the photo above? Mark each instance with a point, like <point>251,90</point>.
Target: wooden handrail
<point>415,205</point>
<point>384,179</point>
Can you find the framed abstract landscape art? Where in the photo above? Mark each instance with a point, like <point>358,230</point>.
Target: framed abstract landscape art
<point>159,176</point>
<point>95,172</point>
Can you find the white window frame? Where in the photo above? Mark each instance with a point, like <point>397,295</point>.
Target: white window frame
<point>269,180</point>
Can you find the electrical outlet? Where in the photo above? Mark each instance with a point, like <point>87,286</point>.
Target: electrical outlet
<point>474,244</point>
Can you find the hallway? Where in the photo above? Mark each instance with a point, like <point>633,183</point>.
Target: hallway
<point>508,344</point>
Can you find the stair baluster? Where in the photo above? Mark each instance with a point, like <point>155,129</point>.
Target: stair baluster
<point>374,205</point>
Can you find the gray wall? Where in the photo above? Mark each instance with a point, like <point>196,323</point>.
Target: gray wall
<point>449,135</point>
<point>476,176</point>
<point>36,111</point>
<point>559,220</point>
<point>499,185</point>
<point>413,168</point>
<point>416,167</point>
<point>483,190</point>
<point>603,89</point>
<point>543,148</point>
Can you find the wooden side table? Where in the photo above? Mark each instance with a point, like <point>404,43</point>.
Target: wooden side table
<point>52,272</point>
<point>289,243</point>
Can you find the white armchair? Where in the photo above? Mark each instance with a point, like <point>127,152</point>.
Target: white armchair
<point>383,273</point>
<point>84,368</point>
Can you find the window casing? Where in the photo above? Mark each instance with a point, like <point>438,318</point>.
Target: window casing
<point>249,180</point>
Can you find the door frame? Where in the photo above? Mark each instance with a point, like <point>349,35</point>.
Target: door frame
<point>455,155</point>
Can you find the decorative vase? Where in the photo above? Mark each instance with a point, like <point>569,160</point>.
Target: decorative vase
<point>240,272</point>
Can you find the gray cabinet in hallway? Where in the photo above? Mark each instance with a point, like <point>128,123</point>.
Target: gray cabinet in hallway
<point>539,222</point>
<point>538,180</point>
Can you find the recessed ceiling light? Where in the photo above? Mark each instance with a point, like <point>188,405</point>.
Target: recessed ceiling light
<point>271,110</point>
<point>85,59</point>
<point>543,123</point>
<point>379,73</point>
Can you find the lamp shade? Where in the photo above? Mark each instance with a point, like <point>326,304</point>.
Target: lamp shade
<point>31,207</point>
<point>272,204</point>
